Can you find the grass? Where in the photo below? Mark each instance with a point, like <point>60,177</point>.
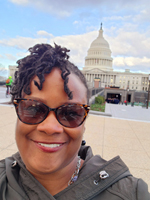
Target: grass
<point>98,107</point>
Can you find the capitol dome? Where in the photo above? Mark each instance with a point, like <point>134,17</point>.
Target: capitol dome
<point>99,54</point>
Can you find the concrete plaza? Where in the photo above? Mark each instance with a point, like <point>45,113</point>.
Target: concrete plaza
<point>108,136</point>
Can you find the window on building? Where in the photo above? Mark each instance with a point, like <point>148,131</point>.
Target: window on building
<point>137,82</point>
<point>132,87</point>
<point>132,82</point>
<point>136,88</point>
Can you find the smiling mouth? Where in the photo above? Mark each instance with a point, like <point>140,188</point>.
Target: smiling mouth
<point>50,145</point>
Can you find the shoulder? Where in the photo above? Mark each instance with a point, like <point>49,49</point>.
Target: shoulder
<point>2,168</point>
<point>130,188</point>
<point>120,182</point>
<point>9,180</point>
<point>7,170</point>
<point>4,165</point>
<point>3,177</point>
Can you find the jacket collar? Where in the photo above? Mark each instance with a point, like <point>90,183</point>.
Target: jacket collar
<point>84,187</point>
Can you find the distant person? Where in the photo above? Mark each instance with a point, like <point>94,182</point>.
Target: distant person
<point>52,162</point>
<point>9,82</point>
<point>132,104</point>
<point>125,102</point>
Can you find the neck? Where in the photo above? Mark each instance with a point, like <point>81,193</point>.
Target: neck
<point>58,181</point>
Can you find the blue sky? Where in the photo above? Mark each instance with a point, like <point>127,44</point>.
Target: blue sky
<point>75,24</point>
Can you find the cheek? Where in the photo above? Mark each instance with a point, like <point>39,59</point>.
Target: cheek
<point>22,130</point>
<point>18,128</point>
<point>76,133</point>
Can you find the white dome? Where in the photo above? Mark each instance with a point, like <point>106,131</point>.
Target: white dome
<point>99,54</point>
<point>100,42</point>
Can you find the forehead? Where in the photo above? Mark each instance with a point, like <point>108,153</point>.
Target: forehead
<point>76,86</point>
<point>54,87</point>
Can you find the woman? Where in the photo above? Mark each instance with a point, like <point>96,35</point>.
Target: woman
<point>50,97</point>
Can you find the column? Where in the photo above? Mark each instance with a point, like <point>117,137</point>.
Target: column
<point>105,78</point>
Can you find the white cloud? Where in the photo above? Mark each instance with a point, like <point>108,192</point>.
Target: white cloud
<point>129,43</point>
<point>78,44</point>
<point>2,66</point>
<point>115,17</point>
<point>143,16</point>
<point>23,42</point>
<point>10,57</point>
<point>75,22</point>
<point>129,49</point>
<point>65,8</point>
<point>20,2</point>
<point>22,54</point>
<point>44,33</point>
<point>53,7</point>
<point>3,71</point>
<point>134,63</point>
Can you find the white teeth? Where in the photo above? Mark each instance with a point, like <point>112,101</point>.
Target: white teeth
<point>50,145</point>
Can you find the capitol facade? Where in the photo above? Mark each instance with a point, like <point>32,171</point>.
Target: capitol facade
<point>99,65</point>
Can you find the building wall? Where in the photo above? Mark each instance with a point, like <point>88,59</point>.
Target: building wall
<point>12,70</point>
<point>123,80</point>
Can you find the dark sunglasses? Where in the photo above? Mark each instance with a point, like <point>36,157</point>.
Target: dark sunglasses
<point>32,112</point>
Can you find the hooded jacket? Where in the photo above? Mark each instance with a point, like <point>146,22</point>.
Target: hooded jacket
<point>11,80</point>
<point>17,183</point>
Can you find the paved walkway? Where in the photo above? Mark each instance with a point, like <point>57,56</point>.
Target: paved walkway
<point>128,112</point>
<point>108,137</point>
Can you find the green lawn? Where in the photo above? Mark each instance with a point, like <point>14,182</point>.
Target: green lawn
<point>98,107</point>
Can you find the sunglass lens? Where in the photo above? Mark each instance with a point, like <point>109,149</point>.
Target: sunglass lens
<point>31,111</point>
<point>71,115</point>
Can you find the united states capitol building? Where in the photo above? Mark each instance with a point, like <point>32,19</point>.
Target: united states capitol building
<point>99,65</point>
<point>99,68</point>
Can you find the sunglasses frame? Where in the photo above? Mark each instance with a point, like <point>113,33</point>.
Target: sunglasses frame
<point>18,100</point>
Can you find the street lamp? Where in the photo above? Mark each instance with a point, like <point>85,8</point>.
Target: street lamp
<point>120,97</point>
<point>148,91</point>
<point>127,94</point>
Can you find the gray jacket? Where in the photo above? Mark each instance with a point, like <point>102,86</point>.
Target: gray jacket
<point>16,183</point>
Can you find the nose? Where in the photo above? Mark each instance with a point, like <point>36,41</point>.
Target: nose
<point>50,125</point>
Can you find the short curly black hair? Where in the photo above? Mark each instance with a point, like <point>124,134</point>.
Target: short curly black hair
<point>42,59</point>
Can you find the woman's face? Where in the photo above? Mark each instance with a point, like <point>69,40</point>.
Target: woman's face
<point>63,142</point>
